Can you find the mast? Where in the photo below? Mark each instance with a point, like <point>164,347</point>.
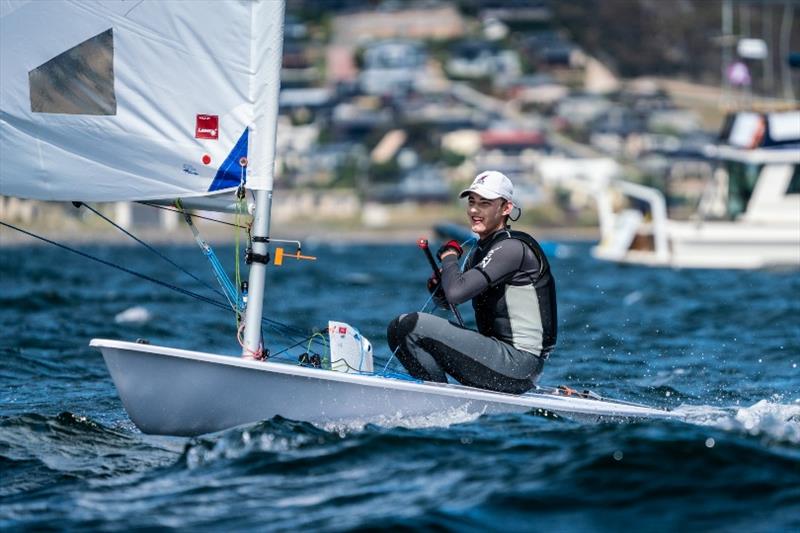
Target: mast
<point>266,56</point>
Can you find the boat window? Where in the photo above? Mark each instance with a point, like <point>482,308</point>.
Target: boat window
<point>742,178</point>
<point>79,81</point>
<point>794,183</point>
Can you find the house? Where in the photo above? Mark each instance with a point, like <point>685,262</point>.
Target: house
<point>440,110</point>
<point>512,139</point>
<point>610,131</point>
<point>392,67</point>
<point>550,49</point>
<point>315,98</point>
<point>359,116</point>
<point>514,12</point>
<point>298,69</point>
<point>579,110</point>
<point>441,21</point>
<point>475,59</point>
<point>420,184</point>
<point>539,90</point>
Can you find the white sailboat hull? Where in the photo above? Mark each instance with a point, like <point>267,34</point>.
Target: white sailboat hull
<point>167,391</point>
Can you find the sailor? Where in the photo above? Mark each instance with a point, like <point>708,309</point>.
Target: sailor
<point>513,293</point>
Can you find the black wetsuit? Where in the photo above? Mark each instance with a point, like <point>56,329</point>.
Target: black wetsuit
<point>512,289</point>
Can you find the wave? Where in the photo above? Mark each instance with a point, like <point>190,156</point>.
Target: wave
<point>776,422</point>
<point>74,446</point>
<point>133,315</point>
<point>494,472</point>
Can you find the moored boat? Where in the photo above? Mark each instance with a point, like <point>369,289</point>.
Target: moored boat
<point>748,217</point>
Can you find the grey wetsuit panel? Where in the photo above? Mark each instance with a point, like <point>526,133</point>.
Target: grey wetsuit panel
<point>430,347</point>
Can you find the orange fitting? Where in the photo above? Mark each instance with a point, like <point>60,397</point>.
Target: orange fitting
<point>280,255</point>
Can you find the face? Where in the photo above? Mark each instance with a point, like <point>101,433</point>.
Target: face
<point>487,216</point>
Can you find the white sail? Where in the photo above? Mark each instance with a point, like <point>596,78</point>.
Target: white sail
<point>117,100</point>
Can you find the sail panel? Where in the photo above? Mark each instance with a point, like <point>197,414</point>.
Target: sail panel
<point>233,170</point>
<point>184,88</point>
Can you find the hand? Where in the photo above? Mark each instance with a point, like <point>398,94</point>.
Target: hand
<point>433,284</point>
<point>450,246</point>
<point>435,288</point>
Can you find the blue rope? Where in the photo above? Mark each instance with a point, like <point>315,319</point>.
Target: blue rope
<point>222,277</point>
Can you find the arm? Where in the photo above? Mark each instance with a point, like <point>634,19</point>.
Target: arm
<point>502,262</point>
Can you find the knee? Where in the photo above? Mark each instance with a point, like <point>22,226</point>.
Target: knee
<point>399,328</point>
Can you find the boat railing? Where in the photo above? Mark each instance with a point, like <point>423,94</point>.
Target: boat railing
<point>619,229</point>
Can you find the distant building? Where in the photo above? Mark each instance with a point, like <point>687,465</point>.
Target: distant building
<point>392,67</point>
<point>298,68</point>
<point>360,116</point>
<point>539,90</point>
<point>421,184</point>
<point>437,22</point>
<point>340,64</point>
<point>512,140</point>
<point>579,110</point>
<point>516,11</point>
<point>549,49</point>
<point>480,59</point>
<point>442,111</point>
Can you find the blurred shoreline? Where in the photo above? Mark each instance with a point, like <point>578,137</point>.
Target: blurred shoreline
<point>318,231</point>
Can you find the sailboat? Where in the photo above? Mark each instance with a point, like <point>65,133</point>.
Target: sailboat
<point>163,101</point>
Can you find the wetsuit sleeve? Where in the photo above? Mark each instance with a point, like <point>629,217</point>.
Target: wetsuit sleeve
<point>499,264</point>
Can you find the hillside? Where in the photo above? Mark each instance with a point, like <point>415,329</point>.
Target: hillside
<point>676,38</point>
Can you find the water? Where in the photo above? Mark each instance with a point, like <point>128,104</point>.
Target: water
<point>722,346</point>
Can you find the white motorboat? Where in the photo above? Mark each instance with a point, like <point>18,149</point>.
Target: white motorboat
<point>748,217</point>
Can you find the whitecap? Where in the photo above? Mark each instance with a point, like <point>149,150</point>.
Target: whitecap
<point>133,315</point>
<point>632,298</point>
<point>777,421</point>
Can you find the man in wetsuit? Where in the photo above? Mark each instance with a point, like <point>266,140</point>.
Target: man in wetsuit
<point>513,293</point>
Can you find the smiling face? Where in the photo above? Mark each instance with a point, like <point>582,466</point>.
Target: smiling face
<point>487,216</point>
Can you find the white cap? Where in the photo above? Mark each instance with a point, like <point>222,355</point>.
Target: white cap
<point>491,184</point>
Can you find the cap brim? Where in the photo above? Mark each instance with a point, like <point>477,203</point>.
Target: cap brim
<point>480,191</point>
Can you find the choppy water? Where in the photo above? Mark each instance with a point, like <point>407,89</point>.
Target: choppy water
<point>722,346</point>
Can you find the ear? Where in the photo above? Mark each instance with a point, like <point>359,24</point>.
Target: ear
<point>508,207</point>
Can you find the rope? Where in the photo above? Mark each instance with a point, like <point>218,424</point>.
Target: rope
<point>118,267</point>
<point>295,345</point>
<point>159,254</point>
<point>241,205</point>
<point>288,330</point>
<point>324,343</point>
<point>193,215</point>
<point>258,355</point>
<point>229,291</point>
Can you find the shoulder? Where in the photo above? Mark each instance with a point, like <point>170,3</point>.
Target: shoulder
<point>509,245</point>
<point>504,252</point>
<point>529,249</point>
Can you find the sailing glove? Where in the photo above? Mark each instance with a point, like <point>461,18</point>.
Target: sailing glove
<point>450,245</point>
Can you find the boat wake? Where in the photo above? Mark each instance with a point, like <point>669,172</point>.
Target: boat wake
<point>773,421</point>
<point>455,415</point>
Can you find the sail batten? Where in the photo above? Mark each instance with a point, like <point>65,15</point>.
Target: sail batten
<point>164,120</point>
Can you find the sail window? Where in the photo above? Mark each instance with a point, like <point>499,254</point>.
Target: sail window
<point>79,81</point>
